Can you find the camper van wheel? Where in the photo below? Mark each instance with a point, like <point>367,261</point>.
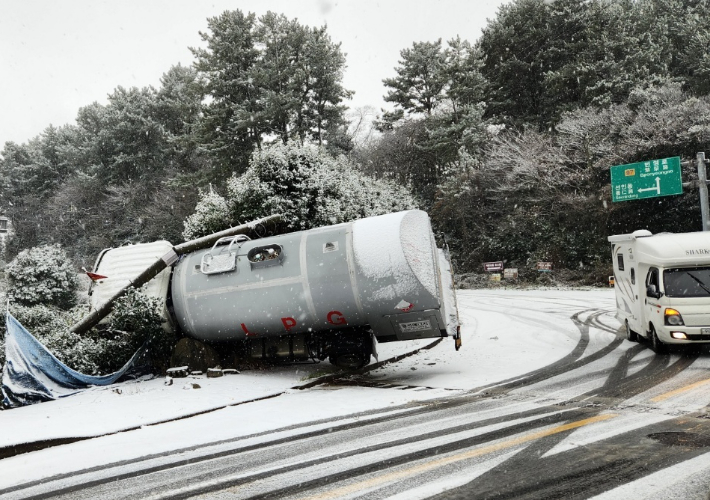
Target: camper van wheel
<point>656,344</point>
<point>631,335</point>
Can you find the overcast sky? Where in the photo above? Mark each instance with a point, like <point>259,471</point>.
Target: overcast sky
<point>57,56</point>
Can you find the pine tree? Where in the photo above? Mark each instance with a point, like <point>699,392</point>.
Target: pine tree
<point>421,78</point>
<point>268,78</point>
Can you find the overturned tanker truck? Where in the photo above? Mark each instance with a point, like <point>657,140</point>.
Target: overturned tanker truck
<point>331,292</point>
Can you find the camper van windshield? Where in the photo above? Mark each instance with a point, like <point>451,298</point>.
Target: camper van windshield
<point>687,282</point>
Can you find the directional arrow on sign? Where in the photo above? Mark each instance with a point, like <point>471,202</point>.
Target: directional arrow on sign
<point>657,189</point>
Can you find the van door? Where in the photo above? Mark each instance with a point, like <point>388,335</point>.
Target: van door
<point>628,306</point>
<point>652,307</point>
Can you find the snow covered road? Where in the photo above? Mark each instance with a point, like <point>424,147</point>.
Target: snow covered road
<point>546,399</point>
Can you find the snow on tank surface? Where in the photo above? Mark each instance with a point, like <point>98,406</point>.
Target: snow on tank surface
<point>398,245</point>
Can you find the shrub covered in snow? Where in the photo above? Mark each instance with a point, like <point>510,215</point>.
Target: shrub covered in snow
<point>133,321</point>
<point>42,275</point>
<point>51,326</point>
<point>210,216</point>
<point>306,185</point>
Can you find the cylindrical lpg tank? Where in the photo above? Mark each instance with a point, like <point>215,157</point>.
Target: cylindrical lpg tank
<point>381,272</point>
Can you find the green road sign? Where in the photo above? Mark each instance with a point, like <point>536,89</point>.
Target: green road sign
<point>646,179</point>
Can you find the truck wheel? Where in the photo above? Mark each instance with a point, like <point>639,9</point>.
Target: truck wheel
<point>631,335</point>
<point>350,361</point>
<point>656,345</point>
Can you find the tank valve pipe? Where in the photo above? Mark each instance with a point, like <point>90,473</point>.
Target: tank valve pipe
<point>168,259</point>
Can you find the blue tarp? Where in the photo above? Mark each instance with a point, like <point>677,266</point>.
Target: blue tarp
<point>32,374</point>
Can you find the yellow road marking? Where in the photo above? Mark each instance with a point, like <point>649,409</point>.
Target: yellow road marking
<point>679,391</point>
<point>418,469</point>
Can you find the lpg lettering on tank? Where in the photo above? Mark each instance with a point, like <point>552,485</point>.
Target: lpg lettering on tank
<point>288,323</point>
<point>247,332</point>
<point>336,318</point>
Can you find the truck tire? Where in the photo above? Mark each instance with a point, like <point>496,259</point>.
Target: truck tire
<point>631,335</point>
<point>656,345</point>
<point>350,360</point>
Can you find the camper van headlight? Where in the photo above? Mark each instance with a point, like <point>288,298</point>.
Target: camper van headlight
<point>673,317</point>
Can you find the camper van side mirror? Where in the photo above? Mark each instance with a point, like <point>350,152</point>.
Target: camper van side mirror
<point>652,292</point>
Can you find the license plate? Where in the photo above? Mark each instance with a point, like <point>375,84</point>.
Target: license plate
<point>705,331</point>
<point>415,326</point>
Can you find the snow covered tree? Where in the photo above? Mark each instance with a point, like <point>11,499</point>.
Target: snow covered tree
<point>309,187</point>
<point>30,174</point>
<point>691,37</point>
<point>267,77</point>
<point>511,204</point>
<point>545,195</point>
<point>125,140</point>
<point>439,95</point>
<point>230,125</point>
<point>211,214</point>
<point>466,85</point>
<point>543,58</point>
<point>420,81</point>
<point>179,103</point>
<point>656,122</point>
<point>51,326</point>
<point>128,170</point>
<point>134,322</point>
<point>429,77</point>
<point>420,152</point>
<point>513,45</point>
<point>42,275</point>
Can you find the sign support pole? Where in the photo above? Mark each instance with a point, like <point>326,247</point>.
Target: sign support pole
<point>703,187</point>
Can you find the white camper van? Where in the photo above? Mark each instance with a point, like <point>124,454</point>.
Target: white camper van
<point>663,286</point>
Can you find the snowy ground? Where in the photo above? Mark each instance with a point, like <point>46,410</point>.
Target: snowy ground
<point>495,348</point>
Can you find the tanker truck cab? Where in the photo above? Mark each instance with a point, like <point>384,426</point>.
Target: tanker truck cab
<point>663,287</point>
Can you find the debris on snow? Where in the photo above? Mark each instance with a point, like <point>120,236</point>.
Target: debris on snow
<point>177,372</point>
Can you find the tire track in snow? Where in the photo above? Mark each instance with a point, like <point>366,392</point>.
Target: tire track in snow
<point>304,438</point>
<point>566,364</point>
